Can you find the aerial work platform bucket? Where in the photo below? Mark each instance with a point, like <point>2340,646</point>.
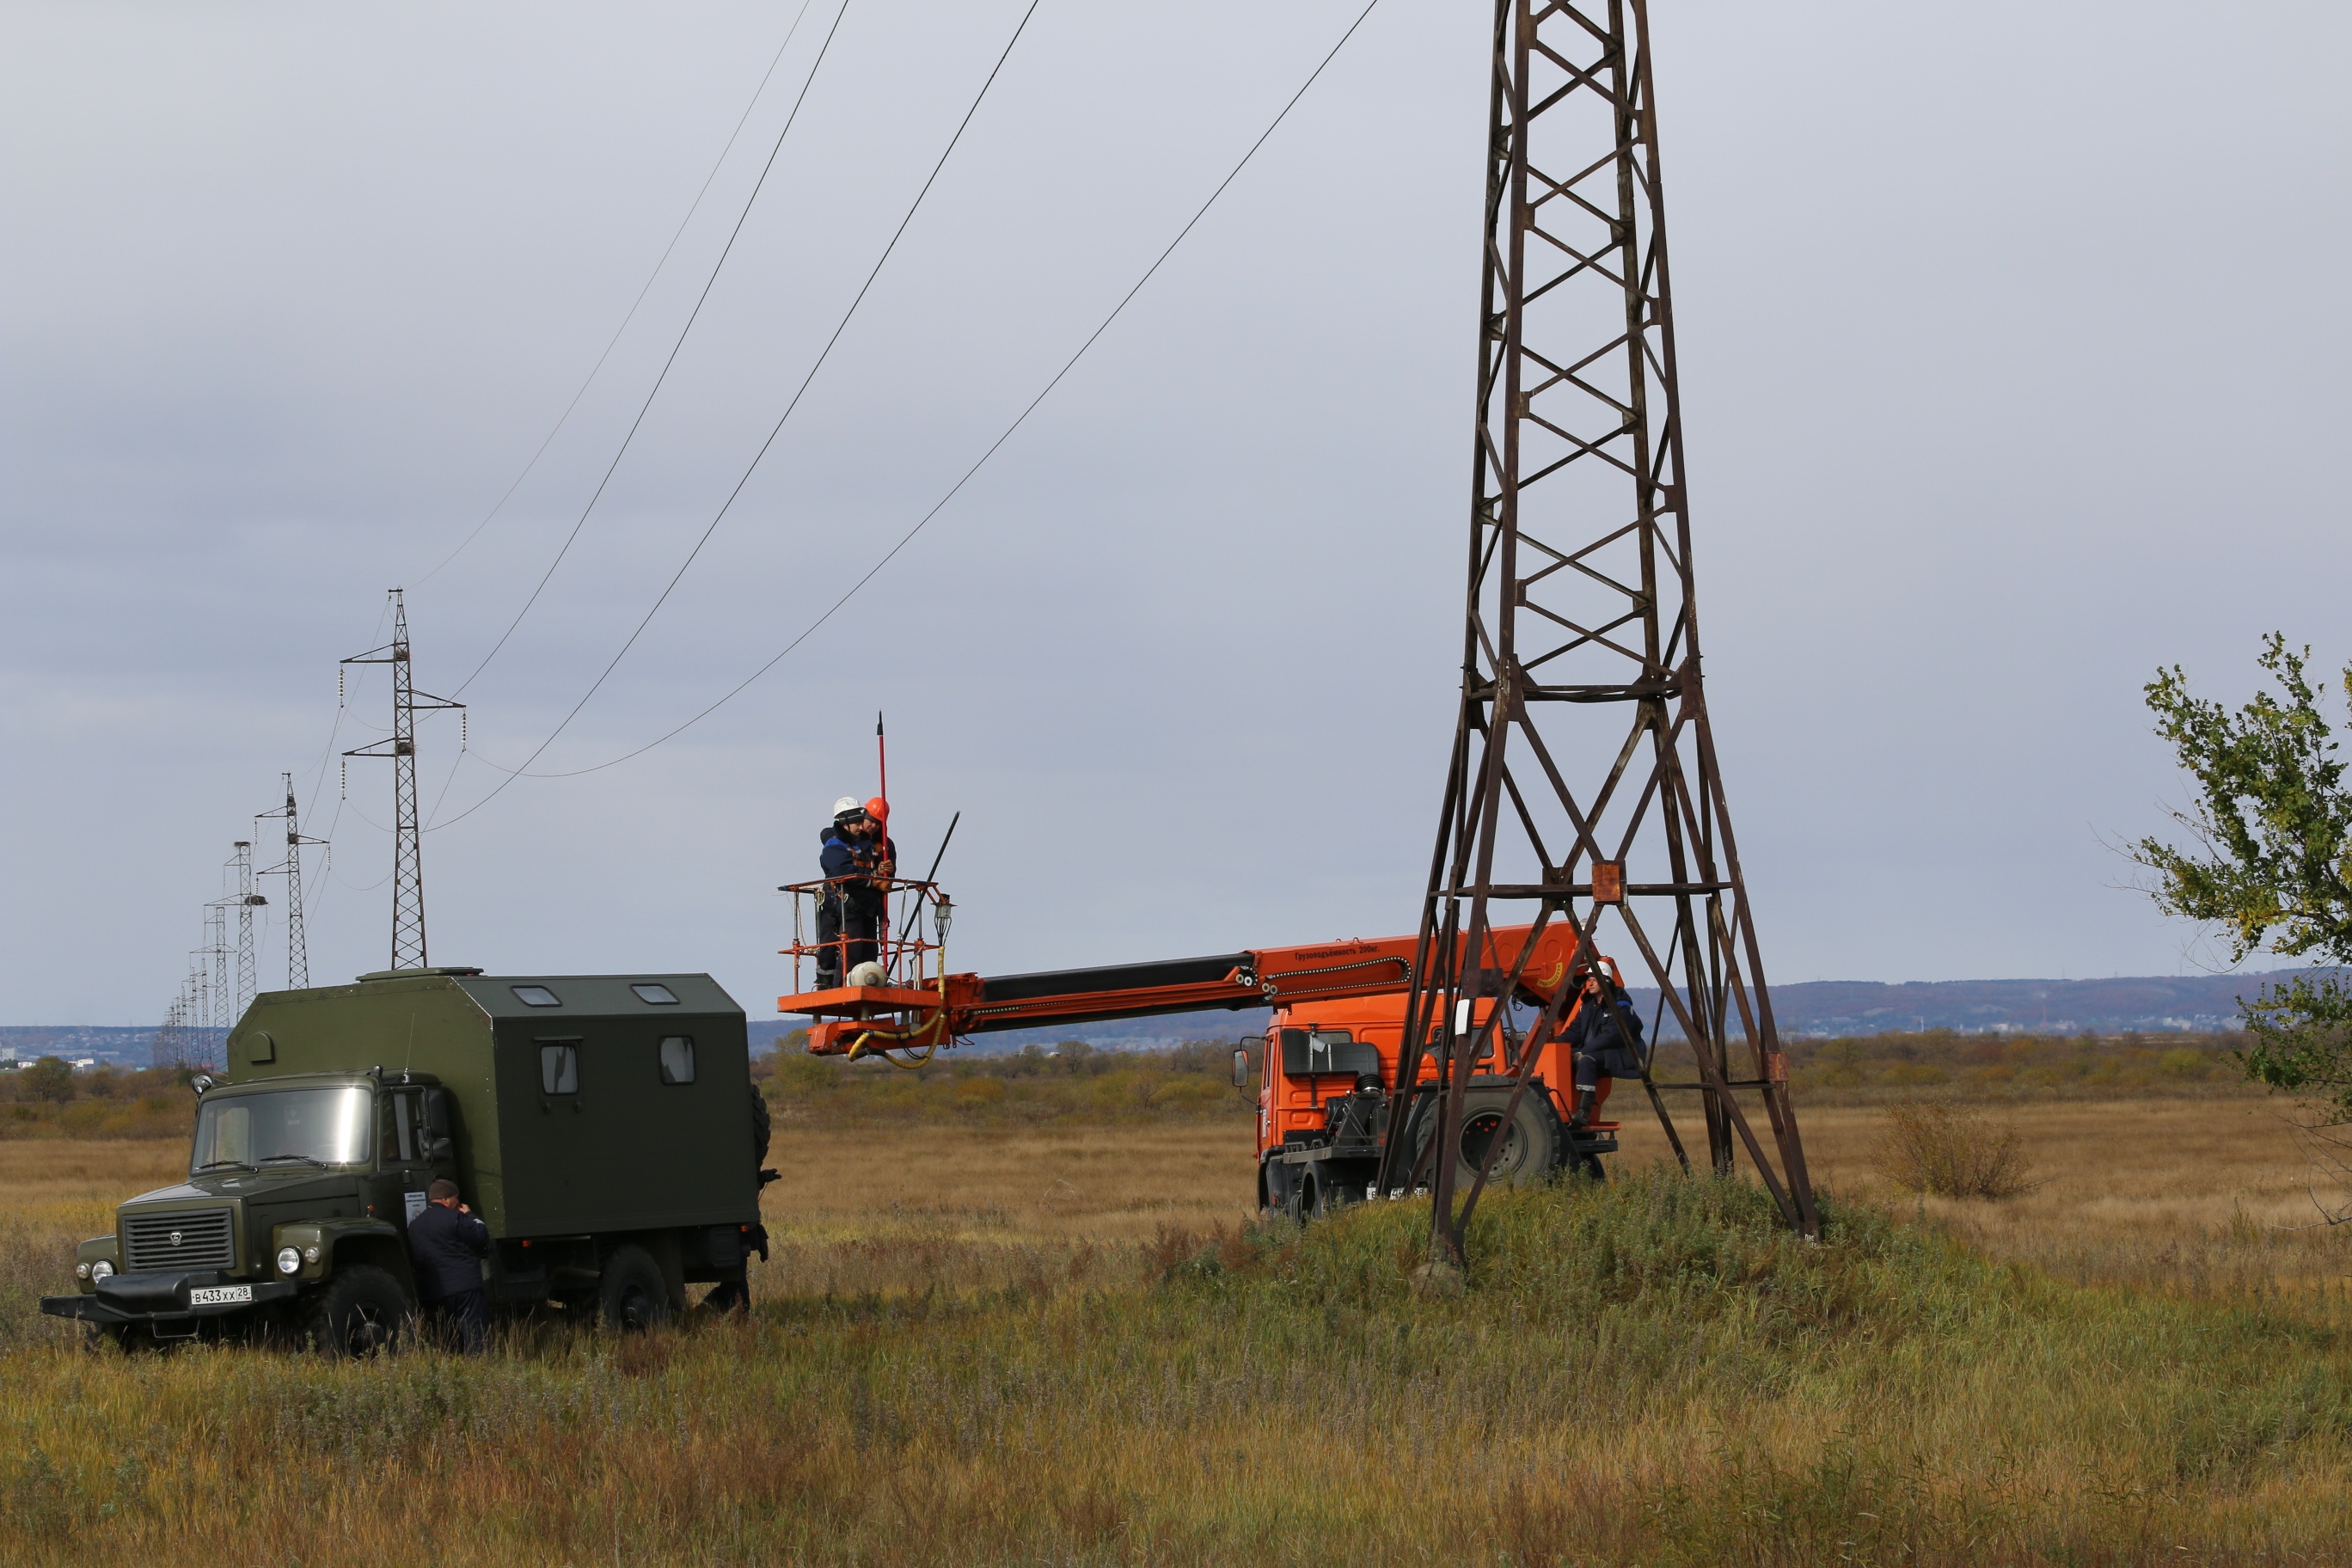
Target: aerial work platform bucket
<point>903,994</point>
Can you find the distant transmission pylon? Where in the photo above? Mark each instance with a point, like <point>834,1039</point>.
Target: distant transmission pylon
<point>1584,779</point>
<point>165,1052</point>
<point>217,951</point>
<point>248,901</point>
<point>298,942</point>
<point>407,849</point>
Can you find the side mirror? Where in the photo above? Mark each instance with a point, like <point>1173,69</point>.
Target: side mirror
<point>440,1149</point>
<point>1240,1068</point>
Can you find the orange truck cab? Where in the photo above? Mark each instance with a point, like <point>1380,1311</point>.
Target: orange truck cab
<point>1323,1107</point>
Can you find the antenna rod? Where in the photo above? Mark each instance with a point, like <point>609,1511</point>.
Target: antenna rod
<point>932,875</point>
<point>882,760</point>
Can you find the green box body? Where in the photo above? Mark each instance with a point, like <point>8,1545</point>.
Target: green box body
<point>622,1151</point>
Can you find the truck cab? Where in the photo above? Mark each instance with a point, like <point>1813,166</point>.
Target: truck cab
<point>291,1182</point>
<point>1324,1106</point>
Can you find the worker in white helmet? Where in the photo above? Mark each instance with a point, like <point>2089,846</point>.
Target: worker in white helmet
<point>848,913</point>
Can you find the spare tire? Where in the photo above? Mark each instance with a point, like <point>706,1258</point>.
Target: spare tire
<point>762,1126</point>
<point>1530,1143</point>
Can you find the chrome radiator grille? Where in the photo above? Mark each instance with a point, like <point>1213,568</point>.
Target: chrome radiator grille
<point>198,1238</point>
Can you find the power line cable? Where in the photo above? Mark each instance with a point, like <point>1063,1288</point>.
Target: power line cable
<point>615,342</point>
<point>941,505</point>
<point>643,409</point>
<point>777,430</point>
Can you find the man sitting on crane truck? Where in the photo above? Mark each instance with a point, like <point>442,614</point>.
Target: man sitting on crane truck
<point>1606,1035</point>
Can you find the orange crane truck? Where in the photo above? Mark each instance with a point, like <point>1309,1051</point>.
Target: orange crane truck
<point>1328,1087</point>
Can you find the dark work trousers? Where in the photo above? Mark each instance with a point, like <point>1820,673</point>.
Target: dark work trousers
<point>469,1313</point>
<point>845,926</point>
<point>1614,1061</point>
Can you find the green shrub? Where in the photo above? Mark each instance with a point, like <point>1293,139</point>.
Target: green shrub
<point>1952,1152</point>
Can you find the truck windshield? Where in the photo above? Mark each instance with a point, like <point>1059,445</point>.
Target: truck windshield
<point>290,1126</point>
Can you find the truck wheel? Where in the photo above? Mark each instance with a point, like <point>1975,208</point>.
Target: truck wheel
<point>1331,1196</point>
<point>360,1313</point>
<point>632,1297</point>
<point>729,1296</point>
<point>1589,1167</point>
<point>1530,1143</point>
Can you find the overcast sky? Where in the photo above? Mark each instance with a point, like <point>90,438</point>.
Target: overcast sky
<point>2012,343</point>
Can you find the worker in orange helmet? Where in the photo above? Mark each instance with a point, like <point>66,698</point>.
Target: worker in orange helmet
<point>884,854</point>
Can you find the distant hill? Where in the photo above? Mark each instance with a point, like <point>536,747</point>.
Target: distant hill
<point>2195,1004</point>
<point>1158,1034</point>
<point>2150,1004</point>
<point>122,1047</point>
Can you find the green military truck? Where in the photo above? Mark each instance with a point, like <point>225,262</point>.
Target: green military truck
<point>605,1127</point>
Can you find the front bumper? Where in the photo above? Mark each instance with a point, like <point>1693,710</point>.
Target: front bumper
<point>162,1299</point>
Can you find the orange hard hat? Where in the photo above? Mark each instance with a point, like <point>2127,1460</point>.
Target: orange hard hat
<point>878,809</point>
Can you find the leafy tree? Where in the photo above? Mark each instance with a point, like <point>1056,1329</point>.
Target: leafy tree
<point>2272,861</point>
<point>49,1079</point>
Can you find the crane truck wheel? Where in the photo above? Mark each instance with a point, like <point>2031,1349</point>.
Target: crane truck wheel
<point>361,1313</point>
<point>631,1296</point>
<point>1530,1142</point>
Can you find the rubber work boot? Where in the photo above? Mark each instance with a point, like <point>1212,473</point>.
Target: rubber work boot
<point>1582,1116</point>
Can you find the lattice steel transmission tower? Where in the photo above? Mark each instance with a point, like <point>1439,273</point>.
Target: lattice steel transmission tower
<point>407,849</point>
<point>169,1049</point>
<point>246,899</point>
<point>217,952</point>
<point>1584,780</point>
<point>297,940</point>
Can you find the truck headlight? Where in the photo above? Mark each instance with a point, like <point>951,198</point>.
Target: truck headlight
<point>81,1270</point>
<point>290,1260</point>
<point>311,1255</point>
<point>102,1269</point>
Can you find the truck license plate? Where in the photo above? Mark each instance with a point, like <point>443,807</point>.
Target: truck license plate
<point>218,1295</point>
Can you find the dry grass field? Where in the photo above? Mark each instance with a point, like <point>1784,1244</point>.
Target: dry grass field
<point>2179,1195</point>
<point>996,1345</point>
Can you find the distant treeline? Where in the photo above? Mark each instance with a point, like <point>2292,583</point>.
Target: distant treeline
<point>1066,1083</point>
<point>1072,1082</point>
<point>1941,1063</point>
<point>49,1099</point>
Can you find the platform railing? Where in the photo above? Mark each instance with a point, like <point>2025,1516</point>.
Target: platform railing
<point>911,936</point>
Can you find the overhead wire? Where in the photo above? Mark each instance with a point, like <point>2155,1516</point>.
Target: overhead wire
<point>757,93</point>
<point>318,770</point>
<point>757,458</point>
<point>941,505</point>
<point>675,347</point>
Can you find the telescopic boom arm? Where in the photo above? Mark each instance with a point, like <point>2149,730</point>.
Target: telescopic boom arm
<point>889,1017</point>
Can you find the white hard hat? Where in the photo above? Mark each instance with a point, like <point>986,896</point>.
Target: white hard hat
<point>846,804</point>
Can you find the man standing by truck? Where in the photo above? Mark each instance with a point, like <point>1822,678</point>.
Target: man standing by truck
<point>446,1244</point>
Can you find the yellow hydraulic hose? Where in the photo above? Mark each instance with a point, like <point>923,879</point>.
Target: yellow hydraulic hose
<point>903,1038</point>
